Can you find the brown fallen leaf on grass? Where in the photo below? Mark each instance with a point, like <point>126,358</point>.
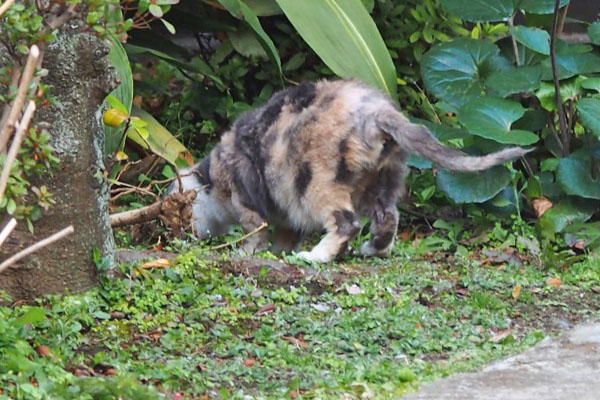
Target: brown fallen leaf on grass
<point>269,308</point>
<point>500,336</point>
<point>354,289</point>
<point>43,351</point>
<point>159,263</point>
<point>249,362</point>
<point>517,292</point>
<point>297,342</point>
<point>556,282</point>
<point>541,205</point>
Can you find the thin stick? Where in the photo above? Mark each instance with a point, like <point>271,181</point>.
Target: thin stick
<point>15,146</point>
<point>559,106</point>
<point>6,130</point>
<point>514,42</point>
<point>7,230</point>
<point>246,236</point>
<point>5,6</point>
<point>36,246</point>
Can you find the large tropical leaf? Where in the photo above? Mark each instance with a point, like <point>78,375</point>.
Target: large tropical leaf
<point>594,32</point>
<point>571,64</point>
<point>574,174</point>
<point>473,187</point>
<point>344,35</point>
<point>540,6</point>
<point>456,71</point>
<point>159,140</point>
<point>239,9</point>
<point>534,38</point>
<point>480,10</point>
<point>492,117</point>
<point>518,80</point>
<point>589,111</point>
<point>123,92</point>
<point>567,212</point>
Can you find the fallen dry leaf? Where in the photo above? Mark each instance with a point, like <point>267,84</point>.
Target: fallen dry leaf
<point>541,205</point>
<point>296,342</point>
<point>249,362</point>
<point>43,351</point>
<point>517,292</point>
<point>159,263</point>
<point>269,308</point>
<point>500,336</point>
<point>354,289</point>
<point>556,282</point>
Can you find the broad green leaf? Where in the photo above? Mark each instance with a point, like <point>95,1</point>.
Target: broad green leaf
<point>455,71</point>
<point>264,8</point>
<point>441,132</point>
<point>591,84</point>
<point>518,80</point>
<point>571,64</point>
<point>198,66</point>
<point>589,112</point>
<point>344,35</point>
<point>473,187</point>
<point>239,9</point>
<point>33,315</point>
<point>540,6</point>
<point>594,32</point>
<point>480,10</point>
<point>159,140</point>
<point>569,90</point>
<point>574,174</point>
<point>491,118</point>
<point>534,38</point>
<point>246,43</point>
<point>567,212</point>
<point>123,93</point>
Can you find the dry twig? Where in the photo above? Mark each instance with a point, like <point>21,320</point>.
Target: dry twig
<point>7,230</point>
<point>15,146</point>
<point>5,6</point>
<point>15,110</point>
<point>562,119</point>
<point>246,236</point>
<point>36,246</point>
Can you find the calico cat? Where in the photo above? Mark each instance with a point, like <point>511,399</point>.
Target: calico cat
<point>317,156</point>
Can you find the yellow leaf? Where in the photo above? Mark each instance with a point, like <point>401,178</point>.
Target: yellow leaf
<point>556,282</point>
<point>159,263</point>
<point>121,155</point>
<point>114,117</point>
<point>516,292</point>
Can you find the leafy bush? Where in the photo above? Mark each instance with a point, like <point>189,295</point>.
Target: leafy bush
<point>502,93</point>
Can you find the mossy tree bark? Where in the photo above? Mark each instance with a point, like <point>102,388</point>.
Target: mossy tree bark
<point>80,76</point>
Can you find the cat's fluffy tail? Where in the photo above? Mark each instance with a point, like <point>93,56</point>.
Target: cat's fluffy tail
<point>417,139</point>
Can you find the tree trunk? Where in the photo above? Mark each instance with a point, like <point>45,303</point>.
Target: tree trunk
<point>80,76</point>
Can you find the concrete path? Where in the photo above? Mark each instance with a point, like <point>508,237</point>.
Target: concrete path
<point>563,368</point>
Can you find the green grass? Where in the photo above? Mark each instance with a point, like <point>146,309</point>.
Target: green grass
<point>193,331</point>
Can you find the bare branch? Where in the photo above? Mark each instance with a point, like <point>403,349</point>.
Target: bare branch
<point>514,42</point>
<point>6,130</point>
<point>246,236</point>
<point>5,6</point>
<point>15,146</point>
<point>7,230</point>
<point>36,246</point>
<point>564,133</point>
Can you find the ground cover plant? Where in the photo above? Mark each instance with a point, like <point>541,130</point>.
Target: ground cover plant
<point>204,325</point>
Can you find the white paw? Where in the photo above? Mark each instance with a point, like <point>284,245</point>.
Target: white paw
<point>314,256</point>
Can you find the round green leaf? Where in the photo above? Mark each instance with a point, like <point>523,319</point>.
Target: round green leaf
<point>591,84</point>
<point>574,176</point>
<point>491,118</point>
<point>534,38</point>
<point>473,187</point>
<point>594,32</point>
<point>571,64</point>
<point>455,71</point>
<point>567,212</point>
<point>480,10</point>
<point>589,111</point>
<point>518,80</point>
<point>540,6</point>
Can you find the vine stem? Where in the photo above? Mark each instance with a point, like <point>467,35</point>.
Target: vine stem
<point>7,230</point>
<point>514,41</point>
<point>15,146</point>
<point>562,120</point>
<point>15,110</point>
<point>36,246</point>
<point>246,236</point>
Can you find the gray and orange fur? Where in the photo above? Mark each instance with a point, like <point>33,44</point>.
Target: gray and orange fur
<point>317,156</point>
